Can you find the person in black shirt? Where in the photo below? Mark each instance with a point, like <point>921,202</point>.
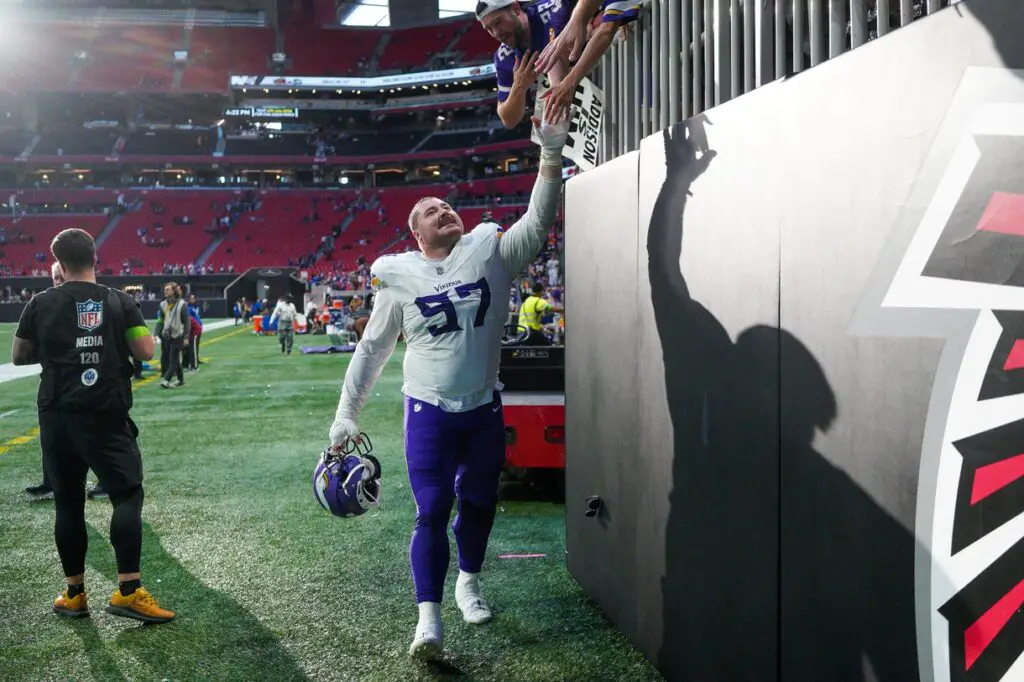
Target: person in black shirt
<point>45,490</point>
<point>83,335</point>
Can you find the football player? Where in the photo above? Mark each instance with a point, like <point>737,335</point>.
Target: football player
<point>523,31</point>
<point>450,300</point>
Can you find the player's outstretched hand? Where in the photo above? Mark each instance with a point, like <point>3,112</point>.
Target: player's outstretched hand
<point>342,430</point>
<point>552,136</point>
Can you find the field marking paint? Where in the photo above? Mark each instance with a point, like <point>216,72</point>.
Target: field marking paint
<point>20,440</point>
<point>204,344</point>
<point>9,413</point>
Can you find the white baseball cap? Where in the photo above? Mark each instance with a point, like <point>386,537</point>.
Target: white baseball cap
<point>485,7</point>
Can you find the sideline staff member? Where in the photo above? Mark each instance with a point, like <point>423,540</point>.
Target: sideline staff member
<point>530,314</point>
<point>82,334</point>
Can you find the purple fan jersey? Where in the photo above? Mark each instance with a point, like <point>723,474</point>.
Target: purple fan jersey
<point>623,11</point>
<point>547,19</point>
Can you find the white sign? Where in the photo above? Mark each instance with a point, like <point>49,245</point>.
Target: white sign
<point>469,73</point>
<point>587,113</point>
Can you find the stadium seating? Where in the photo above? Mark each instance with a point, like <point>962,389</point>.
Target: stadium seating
<point>130,58</point>
<point>274,234</point>
<point>21,256</point>
<point>216,53</point>
<point>184,243</point>
<point>104,58</point>
<point>475,45</point>
<point>328,52</point>
<point>411,48</point>
<point>281,229</point>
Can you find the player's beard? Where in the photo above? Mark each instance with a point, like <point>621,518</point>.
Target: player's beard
<point>522,38</point>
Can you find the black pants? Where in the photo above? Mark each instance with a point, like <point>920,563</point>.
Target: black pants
<point>74,442</point>
<point>536,338</point>
<point>165,356</point>
<point>191,354</point>
<point>173,366</point>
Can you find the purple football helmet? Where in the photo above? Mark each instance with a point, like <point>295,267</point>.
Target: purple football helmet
<point>346,480</point>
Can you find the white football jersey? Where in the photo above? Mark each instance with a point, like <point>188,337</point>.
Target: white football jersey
<point>452,313</point>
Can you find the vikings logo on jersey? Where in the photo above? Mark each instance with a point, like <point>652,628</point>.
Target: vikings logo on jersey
<point>90,315</point>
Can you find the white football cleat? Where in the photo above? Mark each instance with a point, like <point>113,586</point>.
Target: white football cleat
<point>467,595</point>
<point>428,643</point>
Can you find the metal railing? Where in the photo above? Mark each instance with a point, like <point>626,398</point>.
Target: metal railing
<point>684,57</point>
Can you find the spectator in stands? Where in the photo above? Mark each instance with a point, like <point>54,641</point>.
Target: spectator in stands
<point>552,266</point>
<point>523,30</point>
<point>616,14</point>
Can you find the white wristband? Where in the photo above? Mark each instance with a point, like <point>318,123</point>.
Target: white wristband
<point>550,157</point>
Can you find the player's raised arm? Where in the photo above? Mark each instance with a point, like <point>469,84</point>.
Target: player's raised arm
<point>368,360</point>
<point>524,240</point>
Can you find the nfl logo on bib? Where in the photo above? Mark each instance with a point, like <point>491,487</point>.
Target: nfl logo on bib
<point>90,315</point>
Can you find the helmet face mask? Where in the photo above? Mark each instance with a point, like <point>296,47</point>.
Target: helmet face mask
<point>346,480</point>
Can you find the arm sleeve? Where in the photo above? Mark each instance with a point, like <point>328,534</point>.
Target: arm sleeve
<point>371,354</point>
<point>134,322</point>
<point>26,325</point>
<point>524,240</point>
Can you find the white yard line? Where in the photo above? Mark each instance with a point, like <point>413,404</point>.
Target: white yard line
<point>8,413</point>
<point>8,372</point>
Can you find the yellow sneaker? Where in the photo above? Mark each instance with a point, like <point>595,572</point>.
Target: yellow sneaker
<point>77,607</point>
<point>139,605</point>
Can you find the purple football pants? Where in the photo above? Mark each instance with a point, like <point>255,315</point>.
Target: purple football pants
<point>451,455</point>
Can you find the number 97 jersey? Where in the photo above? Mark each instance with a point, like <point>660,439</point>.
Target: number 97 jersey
<point>452,313</point>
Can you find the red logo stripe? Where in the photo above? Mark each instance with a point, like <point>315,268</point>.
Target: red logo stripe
<point>1004,213</point>
<point>981,633</point>
<point>996,476</point>
<point>1015,359</point>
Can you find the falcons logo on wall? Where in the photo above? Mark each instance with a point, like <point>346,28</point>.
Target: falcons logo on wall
<point>959,275</point>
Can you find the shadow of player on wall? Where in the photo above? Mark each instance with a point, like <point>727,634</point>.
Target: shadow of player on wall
<point>847,567</point>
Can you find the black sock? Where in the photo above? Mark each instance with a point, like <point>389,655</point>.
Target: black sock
<point>75,590</point>
<point>129,586</point>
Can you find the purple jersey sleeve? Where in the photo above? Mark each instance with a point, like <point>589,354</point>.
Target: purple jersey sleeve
<point>504,63</point>
<point>624,11</point>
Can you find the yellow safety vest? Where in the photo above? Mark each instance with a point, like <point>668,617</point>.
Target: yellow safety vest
<point>530,312</point>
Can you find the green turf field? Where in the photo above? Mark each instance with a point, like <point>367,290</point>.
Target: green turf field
<point>267,585</point>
